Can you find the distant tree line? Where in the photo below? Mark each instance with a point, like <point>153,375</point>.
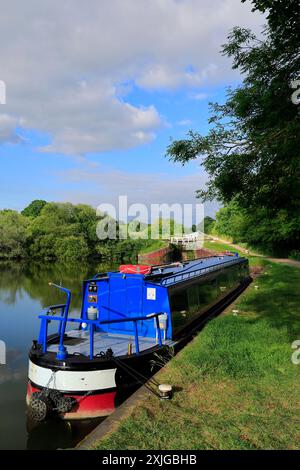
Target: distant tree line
<point>58,231</point>
<point>63,231</point>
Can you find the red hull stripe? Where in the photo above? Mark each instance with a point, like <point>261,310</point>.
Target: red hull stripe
<point>90,406</point>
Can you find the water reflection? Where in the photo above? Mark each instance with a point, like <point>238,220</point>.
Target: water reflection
<point>24,291</point>
<point>57,433</point>
<point>17,279</point>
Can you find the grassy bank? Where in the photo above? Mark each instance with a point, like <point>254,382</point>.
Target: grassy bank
<point>153,245</point>
<point>240,248</point>
<point>236,385</point>
<point>218,246</point>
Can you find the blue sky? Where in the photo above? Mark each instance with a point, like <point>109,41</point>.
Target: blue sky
<point>93,97</point>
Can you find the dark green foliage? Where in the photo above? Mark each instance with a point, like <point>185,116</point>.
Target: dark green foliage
<point>283,18</point>
<point>50,231</point>
<point>42,247</point>
<point>72,247</point>
<point>13,234</point>
<point>295,254</point>
<point>276,234</point>
<point>66,232</point>
<point>63,231</point>
<point>34,208</point>
<point>251,152</point>
<point>209,223</point>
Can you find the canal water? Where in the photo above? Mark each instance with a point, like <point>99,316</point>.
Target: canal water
<point>24,291</point>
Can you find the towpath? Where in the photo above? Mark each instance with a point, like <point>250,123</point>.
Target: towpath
<point>288,261</point>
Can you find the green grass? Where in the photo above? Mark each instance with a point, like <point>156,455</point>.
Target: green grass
<point>236,385</point>
<point>218,246</point>
<point>153,245</point>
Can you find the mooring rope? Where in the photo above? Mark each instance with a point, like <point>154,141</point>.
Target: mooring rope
<point>138,376</point>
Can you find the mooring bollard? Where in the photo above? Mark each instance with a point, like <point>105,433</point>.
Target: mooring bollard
<point>165,391</point>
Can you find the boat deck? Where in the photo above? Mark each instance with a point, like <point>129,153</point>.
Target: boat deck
<point>78,341</point>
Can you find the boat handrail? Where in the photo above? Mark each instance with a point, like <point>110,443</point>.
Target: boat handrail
<point>62,351</point>
<point>55,307</point>
<point>187,274</point>
<point>45,319</point>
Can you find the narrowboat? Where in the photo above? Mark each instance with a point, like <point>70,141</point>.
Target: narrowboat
<point>128,318</point>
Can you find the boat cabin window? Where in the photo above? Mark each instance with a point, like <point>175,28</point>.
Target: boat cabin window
<point>188,302</point>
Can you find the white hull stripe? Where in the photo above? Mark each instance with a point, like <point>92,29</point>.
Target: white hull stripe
<point>71,381</point>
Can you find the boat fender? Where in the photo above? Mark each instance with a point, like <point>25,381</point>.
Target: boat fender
<point>54,396</point>
<point>65,404</point>
<point>43,403</point>
<point>60,403</point>
<point>39,406</point>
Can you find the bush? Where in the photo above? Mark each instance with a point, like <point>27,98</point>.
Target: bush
<point>34,208</point>
<point>295,254</point>
<point>71,248</point>
<point>43,247</point>
<point>13,236</point>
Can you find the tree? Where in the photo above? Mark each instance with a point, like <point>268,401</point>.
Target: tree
<point>283,18</point>
<point>61,227</point>
<point>251,152</point>
<point>34,208</point>
<point>56,218</point>
<point>13,238</point>
<point>71,248</point>
<point>209,223</point>
<point>87,220</point>
<point>43,247</point>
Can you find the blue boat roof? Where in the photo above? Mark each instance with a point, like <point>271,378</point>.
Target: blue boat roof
<point>167,275</point>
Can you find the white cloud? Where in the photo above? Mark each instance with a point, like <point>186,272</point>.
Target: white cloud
<point>105,186</point>
<point>64,64</point>
<point>96,119</point>
<point>163,76</point>
<point>8,125</point>
<point>198,96</point>
<point>184,122</point>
